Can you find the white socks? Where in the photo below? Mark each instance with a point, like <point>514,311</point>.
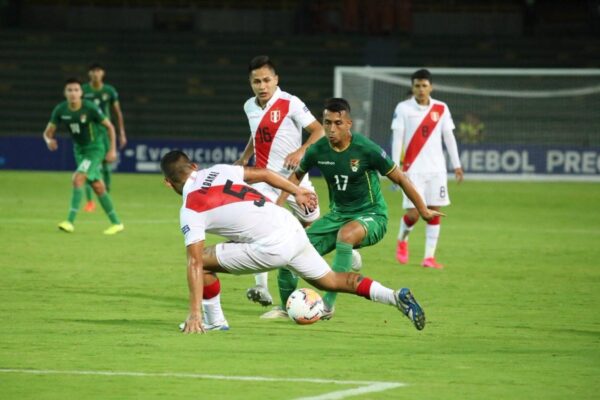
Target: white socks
<point>212,313</point>
<point>432,233</point>
<point>381,294</point>
<point>261,279</point>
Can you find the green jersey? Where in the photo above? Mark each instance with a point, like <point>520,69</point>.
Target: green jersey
<point>84,124</point>
<point>351,175</point>
<point>104,97</point>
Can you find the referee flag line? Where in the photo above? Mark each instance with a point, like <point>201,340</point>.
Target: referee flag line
<point>363,386</point>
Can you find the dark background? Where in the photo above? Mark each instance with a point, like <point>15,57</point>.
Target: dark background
<point>181,66</point>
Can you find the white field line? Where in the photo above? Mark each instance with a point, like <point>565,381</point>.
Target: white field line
<point>365,386</point>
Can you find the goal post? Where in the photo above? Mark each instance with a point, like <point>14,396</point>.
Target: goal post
<point>510,123</point>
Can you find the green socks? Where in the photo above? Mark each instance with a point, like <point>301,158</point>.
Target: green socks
<point>106,176</point>
<point>75,202</point>
<point>88,192</point>
<point>108,208</point>
<point>342,262</point>
<point>287,282</point>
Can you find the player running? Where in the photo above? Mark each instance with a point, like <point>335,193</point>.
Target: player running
<point>106,97</point>
<point>83,120</point>
<point>350,164</point>
<point>419,125</point>
<point>262,237</point>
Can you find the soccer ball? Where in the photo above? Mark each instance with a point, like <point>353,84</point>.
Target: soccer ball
<point>304,306</point>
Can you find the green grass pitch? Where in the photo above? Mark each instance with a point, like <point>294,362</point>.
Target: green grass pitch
<point>514,315</point>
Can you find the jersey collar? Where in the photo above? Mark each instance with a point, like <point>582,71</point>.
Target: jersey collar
<point>419,106</point>
<point>274,98</point>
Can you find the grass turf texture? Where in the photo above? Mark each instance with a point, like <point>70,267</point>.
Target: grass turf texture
<point>515,313</point>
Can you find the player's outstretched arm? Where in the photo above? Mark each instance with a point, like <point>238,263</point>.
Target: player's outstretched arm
<point>49,136</point>
<point>315,129</point>
<point>111,154</point>
<point>304,197</point>
<point>402,180</point>
<point>195,278</point>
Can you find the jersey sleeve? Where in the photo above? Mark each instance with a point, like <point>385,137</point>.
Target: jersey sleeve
<point>55,116</point>
<point>447,122</point>
<point>96,113</point>
<point>300,113</point>
<point>114,95</point>
<point>192,225</point>
<point>398,129</point>
<point>379,160</point>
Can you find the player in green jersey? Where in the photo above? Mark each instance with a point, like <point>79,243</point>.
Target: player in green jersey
<point>350,164</point>
<point>83,120</point>
<point>106,97</point>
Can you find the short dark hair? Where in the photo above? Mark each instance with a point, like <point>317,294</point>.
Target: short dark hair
<point>173,164</point>
<point>95,65</point>
<point>337,104</point>
<point>261,61</point>
<point>72,80</point>
<point>422,74</point>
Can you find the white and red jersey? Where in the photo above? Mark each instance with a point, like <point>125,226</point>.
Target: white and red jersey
<point>217,200</point>
<point>417,136</point>
<point>277,129</point>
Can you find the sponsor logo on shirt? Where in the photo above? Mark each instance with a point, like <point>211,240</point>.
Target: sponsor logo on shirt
<point>305,109</point>
<point>65,117</point>
<point>383,153</point>
<point>185,229</point>
<point>275,116</point>
<point>354,165</point>
<point>326,162</point>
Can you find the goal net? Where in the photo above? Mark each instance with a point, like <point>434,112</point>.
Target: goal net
<point>533,110</point>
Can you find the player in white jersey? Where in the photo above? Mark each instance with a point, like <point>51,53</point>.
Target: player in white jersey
<point>262,236</point>
<point>419,125</point>
<point>276,120</point>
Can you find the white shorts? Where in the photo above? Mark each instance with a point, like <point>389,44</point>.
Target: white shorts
<point>293,251</point>
<point>433,188</point>
<point>273,193</point>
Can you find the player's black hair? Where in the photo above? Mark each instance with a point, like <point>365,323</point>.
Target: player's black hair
<point>421,74</point>
<point>173,164</point>
<point>261,61</point>
<point>95,65</point>
<point>337,104</point>
<point>72,80</point>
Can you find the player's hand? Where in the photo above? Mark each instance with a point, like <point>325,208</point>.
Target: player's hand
<point>292,160</point>
<point>459,175</point>
<point>52,144</point>
<point>193,324</point>
<point>122,140</point>
<point>307,200</point>
<point>429,214</point>
<point>111,156</point>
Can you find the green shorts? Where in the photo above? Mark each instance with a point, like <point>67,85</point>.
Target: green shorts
<point>89,161</point>
<point>323,232</point>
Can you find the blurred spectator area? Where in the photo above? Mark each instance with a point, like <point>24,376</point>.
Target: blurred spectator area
<point>181,66</point>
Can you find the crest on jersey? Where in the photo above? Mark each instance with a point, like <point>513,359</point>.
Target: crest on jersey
<point>105,96</point>
<point>275,116</point>
<point>354,164</point>
<point>83,118</point>
<point>435,116</point>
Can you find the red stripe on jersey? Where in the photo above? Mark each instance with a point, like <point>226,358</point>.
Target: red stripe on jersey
<point>421,134</point>
<point>216,196</point>
<point>267,129</point>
